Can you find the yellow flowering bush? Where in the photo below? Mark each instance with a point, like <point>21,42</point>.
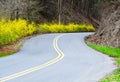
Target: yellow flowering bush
<point>12,30</point>
<point>58,28</point>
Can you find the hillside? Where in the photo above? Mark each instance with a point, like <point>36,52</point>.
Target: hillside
<point>47,10</point>
<point>103,14</point>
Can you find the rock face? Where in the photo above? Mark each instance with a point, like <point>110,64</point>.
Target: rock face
<point>108,33</point>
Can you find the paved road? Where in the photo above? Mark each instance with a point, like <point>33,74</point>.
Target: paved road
<point>56,58</point>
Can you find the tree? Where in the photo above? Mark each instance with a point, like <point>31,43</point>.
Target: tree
<point>103,14</point>
<point>11,9</point>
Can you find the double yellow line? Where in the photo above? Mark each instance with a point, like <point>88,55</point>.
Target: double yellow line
<point>51,62</point>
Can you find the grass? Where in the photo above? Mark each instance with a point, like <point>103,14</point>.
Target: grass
<point>113,52</point>
<point>10,49</point>
<point>115,77</point>
<point>6,54</point>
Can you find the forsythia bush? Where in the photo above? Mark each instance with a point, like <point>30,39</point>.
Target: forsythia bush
<point>11,31</point>
<point>55,28</point>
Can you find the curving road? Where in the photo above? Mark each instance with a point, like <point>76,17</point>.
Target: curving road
<point>56,58</point>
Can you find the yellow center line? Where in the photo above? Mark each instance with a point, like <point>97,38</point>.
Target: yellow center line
<point>51,62</point>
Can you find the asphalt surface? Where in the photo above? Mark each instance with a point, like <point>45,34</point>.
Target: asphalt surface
<point>56,58</point>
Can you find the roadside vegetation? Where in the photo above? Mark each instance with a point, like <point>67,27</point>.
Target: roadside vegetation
<point>13,30</point>
<point>61,28</point>
<point>113,52</point>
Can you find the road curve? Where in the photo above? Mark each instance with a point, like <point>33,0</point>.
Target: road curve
<point>56,58</point>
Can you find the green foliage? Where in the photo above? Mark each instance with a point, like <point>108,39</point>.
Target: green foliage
<point>114,52</point>
<point>6,54</point>
<point>115,77</point>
